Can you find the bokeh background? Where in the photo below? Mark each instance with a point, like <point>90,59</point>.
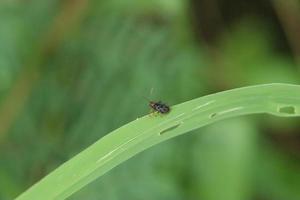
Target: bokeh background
<point>73,70</point>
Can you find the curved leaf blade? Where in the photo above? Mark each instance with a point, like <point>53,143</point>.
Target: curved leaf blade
<point>116,147</point>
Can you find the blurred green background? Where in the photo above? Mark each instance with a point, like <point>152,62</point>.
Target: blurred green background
<point>73,70</point>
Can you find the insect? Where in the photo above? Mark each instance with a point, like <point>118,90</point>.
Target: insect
<point>159,107</point>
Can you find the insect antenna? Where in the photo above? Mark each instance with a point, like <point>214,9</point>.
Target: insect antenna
<point>146,98</point>
<point>151,92</point>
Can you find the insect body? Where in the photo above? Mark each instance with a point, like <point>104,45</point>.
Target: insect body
<point>159,107</point>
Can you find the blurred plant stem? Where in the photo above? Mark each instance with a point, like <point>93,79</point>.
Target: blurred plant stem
<point>288,12</point>
<point>70,16</point>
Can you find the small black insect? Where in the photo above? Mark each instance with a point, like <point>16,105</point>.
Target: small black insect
<point>159,107</point>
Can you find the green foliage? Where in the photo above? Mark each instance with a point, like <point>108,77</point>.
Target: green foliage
<point>93,81</point>
<point>143,133</point>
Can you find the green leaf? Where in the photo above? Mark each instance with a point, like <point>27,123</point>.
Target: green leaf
<point>116,147</point>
